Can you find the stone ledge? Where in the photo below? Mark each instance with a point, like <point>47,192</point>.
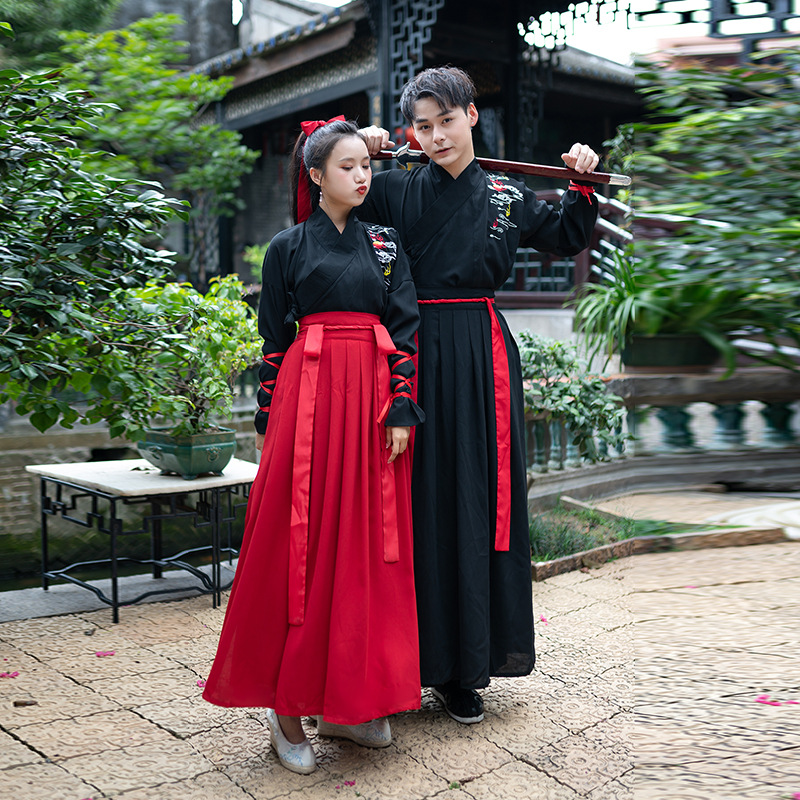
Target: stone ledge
<point>765,384</point>
<point>772,467</point>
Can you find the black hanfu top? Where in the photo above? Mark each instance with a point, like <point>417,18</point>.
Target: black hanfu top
<point>464,232</point>
<point>312,268</point>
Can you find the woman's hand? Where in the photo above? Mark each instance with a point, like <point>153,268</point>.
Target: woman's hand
<point>259,441</point>
<point>377,139</point>
<point>581,158</point>
<point>397,439</point>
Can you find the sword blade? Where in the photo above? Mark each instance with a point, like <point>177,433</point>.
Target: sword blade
<point>405,156</point>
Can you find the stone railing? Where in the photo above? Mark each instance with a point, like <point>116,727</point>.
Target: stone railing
<point>690,428</point>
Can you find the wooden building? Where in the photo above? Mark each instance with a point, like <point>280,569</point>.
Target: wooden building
<point>355,59</point>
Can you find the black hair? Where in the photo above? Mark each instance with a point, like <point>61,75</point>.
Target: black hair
<point>312,152</point>
<point>450,87</point>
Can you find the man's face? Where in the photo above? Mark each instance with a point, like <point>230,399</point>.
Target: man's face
<point>445,136</point>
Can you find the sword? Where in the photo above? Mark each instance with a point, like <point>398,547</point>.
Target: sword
<point>404,156</point>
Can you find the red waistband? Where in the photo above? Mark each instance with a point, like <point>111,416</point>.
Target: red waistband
<point>344,319</point>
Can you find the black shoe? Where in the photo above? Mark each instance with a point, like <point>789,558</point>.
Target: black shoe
<point>463,705</point>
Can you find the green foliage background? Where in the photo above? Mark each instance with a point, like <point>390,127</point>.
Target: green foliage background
<point>718,152</point>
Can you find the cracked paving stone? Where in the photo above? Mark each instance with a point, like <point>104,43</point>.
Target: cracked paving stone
<point>381,774</point>
<point>460,754</point>
<point>575,709</point>
<point>117,771</point>
<point>519,781</point>
<point>136,690</point>
<point>95,733</point>
<point>51,704</point>
<point>15,754</point>
<point>43,782</point>
<point>613,790</point>
<point>189,653</point>
<point>263,778</point>
<point>582,764</point>
<point>188,716</point>
<point>237,741</point>
<point>208,786</point>
<point>522,728</point>
<point>88,667</point>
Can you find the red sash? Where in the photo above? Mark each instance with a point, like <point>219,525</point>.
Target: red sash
<point>313,329</point>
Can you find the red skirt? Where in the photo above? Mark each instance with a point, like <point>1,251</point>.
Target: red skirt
<point>322,614</point>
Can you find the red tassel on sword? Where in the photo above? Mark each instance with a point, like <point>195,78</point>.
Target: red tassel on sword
<point>404,156</point>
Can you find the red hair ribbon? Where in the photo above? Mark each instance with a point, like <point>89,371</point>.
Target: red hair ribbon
<point>311,125</point>
<point>303,193</point>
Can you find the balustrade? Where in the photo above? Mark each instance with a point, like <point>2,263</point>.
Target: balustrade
<point>681,414</point>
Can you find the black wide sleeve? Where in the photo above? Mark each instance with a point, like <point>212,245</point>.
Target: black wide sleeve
<point>401,319</point>
<point>277,335</point>
<point>565,231</point>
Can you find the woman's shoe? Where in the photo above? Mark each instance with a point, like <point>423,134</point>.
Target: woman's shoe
<point>296,757</point>
<point>375,733</point>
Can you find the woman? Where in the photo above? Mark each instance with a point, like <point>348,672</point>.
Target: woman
<point>321,620</point>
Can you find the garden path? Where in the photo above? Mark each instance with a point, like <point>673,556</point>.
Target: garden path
<point>667,675</point>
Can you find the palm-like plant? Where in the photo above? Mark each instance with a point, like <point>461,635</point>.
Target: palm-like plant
<point>653,293</point>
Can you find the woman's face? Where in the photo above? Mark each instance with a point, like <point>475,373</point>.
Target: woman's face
<point>347,176</point>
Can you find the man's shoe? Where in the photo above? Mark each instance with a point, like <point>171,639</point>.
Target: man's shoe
<point>463,705</point>
<point>375,733</point>
<point>295,757</point>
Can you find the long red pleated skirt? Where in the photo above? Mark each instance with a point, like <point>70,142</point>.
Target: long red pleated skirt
<point>322,614</point>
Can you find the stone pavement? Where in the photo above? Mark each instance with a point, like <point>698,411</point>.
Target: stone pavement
<point>712,712</point>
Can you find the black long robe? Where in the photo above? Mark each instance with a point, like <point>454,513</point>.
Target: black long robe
<point>461,235</point>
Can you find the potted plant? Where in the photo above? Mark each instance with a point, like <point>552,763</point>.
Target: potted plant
<point>557,387</point>
<point>663,308</point>
<point>163,361</point>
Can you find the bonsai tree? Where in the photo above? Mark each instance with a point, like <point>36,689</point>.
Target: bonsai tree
<point>169,356</point>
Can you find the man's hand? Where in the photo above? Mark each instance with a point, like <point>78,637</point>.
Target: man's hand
<point>259,441</point>
<point>581,158</point>
<point>397,439</point>
<point>377,139</point>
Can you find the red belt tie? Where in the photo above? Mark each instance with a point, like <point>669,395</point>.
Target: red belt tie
<point>502,415</point>
<point>304,434</point>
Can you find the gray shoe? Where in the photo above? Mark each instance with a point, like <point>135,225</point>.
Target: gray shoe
<point>295,757</point>
<point>375,733</point>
